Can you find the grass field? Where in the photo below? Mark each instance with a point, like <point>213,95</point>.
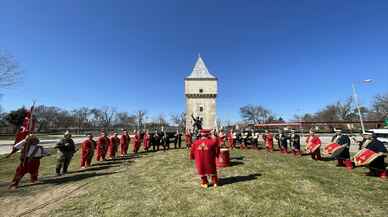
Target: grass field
<point>165,184</point>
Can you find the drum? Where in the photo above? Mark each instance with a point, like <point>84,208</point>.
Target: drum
<point>334,149</point>
<point>223,159</point>
<point>365,157</point>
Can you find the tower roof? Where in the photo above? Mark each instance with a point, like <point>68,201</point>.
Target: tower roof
<point>200,70</point>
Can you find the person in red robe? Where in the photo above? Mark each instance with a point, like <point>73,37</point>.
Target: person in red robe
<point>188,139</point>
<point>314,141</point>
<point>146,140</point>
<point>268,141</point>
<point>114,143</point>
<point>30,156</point>
<point>87,150</point>
<point>136,142</point>
<point>124,143</point>
<point>229,138</point>
<point>102,146</point>
<point>204,152</point>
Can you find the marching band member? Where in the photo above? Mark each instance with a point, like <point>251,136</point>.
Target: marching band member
<point>295,142</point>
<point>343,158</point>
<point>243,140</point>
<point>136,142</point>
<point>146,140</point>
<point>114,142</point>
<point>229,137</point>
<point>87,150</point>
<point>221,137</point>
<point>30,156</point>
<point>102,146</point>
<point>268,139</point>
<point>282,141</point>
<point>178,139</point>
<point>204,152</point>
<point>188,138</point>
<point>124,143</point>
<point>313,145</point>
<point>377,165</point>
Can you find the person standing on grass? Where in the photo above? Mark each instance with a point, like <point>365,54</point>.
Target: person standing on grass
<point>377,166</point>
<point>87,151</point>
<point>282,142</point>
<point>114,143</point>
<point>102,146</point>
<point>124,143</point>
<point>136,142</point>
<point>343,159</point>
<point>295,142</point>
<point>314,145</point>
<point>268,139</point>
<point>188,138</point>
<point>178,139</point>
<point>146,140</point>
<point>204,152</point>
<point>30,156</point>
<point>229,138</point>
<point>65,151</point>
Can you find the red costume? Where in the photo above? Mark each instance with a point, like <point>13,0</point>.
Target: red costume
<point>269,141</point>
<point>188,139</point>
<point>230,139</point>
<point>124,143</point>
<point>313,146</point>
<point>101,148</point>
<point>146,141</point>
<point>205,151</point>
<point>87,148</point>
<point>30,156</point>
<point>136,143</point>
<point>114,142</point>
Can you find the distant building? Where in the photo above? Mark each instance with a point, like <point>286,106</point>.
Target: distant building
<point>201,93</point>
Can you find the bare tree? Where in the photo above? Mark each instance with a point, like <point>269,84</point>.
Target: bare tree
<point>254,114</point>
<point>9,70</point>
<point>81,117</point>
<point>140,115</point>
<point>179,119</point>
<point>107,116</point>
<point>123,120</point>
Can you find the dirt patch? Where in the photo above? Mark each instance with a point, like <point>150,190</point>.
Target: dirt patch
<point>36,205</point>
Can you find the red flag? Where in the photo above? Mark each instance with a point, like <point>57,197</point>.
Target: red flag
<point>27,126</point>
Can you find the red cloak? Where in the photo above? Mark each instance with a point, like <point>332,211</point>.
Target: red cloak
<point>205,151</point>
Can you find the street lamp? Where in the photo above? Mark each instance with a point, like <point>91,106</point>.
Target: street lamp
<point>367,81</point>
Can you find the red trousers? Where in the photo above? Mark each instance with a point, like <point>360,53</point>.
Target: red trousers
<point>30,166</point>
<point>101,152</point>
<point>123,149</point>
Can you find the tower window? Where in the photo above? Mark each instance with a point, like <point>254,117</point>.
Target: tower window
<point>201,90</point>
<point>201,109</point>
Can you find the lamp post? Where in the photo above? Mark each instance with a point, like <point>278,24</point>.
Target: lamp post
<point>367,81</point>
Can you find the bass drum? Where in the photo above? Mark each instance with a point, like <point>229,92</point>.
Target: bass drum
<point>223,159</point>
<point>365,157</point>
<point>333,150</point>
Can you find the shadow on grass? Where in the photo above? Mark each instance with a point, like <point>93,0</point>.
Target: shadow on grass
<point>237,158</point>
<point>236,179</point>
<point>235,163</point>
<point>66,179</point>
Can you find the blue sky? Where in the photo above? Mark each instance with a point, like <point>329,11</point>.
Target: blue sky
<point>289,56</point>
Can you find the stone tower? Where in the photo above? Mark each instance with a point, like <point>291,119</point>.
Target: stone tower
<point>201,93</point>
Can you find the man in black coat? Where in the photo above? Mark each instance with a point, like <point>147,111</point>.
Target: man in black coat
<point>343,158</point>
<point>282,141</point>
<point>377,166</point>
<point>295,142</point>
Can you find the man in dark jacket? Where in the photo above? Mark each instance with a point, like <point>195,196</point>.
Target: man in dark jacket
<point>344,157</point>
<point>65,151</point>
<point>377,166</point>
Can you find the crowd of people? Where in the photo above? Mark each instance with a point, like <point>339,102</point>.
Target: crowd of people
<point>204,149</point>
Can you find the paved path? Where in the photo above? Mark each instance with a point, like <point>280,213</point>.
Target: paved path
<point>5,145</point>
